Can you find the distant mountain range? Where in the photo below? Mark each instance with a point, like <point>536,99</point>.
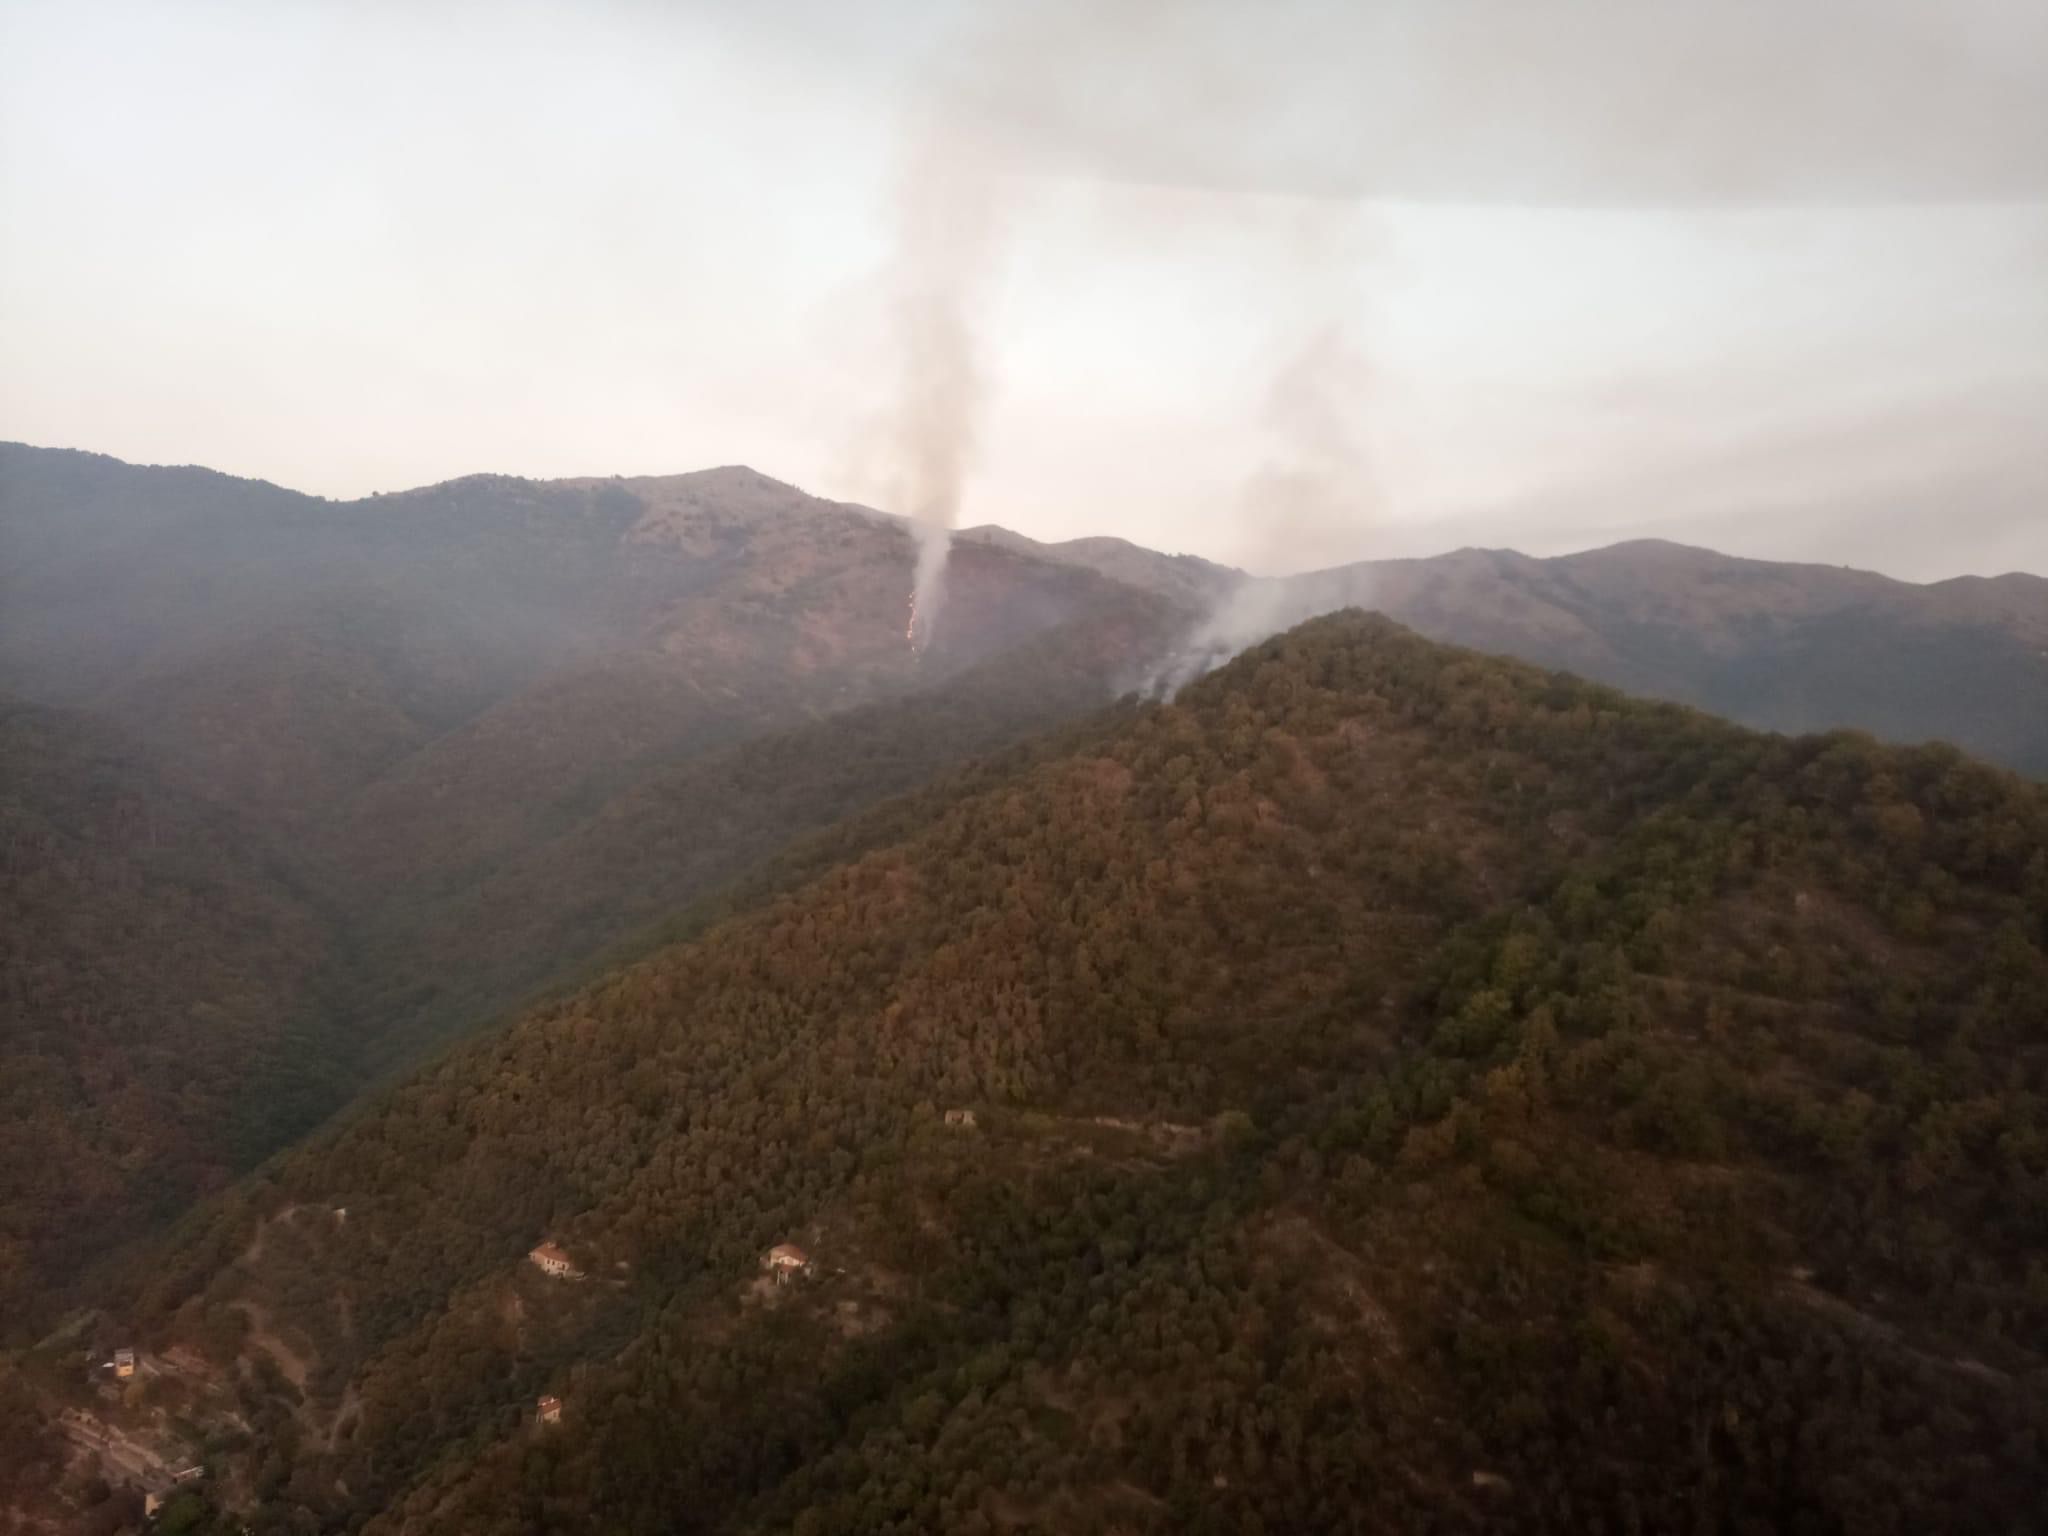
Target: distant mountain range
<point>1782,647</point>
<point>467,740</point>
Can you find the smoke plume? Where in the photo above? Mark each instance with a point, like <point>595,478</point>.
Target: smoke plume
<point>945,239</point>
<point>1314,499</point>
<point>1311,501</point>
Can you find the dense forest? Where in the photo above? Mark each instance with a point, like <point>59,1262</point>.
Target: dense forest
<point>148,954</point>
<point>319,786</point>
<point>181,997</point>
<point>427,970</point>
<point>1406,1090</point>
<point>298,791</point>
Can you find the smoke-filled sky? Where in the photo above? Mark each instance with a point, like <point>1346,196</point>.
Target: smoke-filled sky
<point>1283,284</point>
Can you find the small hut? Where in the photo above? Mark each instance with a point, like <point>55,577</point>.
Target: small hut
<point>785,1262</point>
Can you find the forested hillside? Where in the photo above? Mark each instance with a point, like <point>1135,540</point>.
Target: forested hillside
<point>1409,1091</point>
<point>179,1005</point>
<point>465,738</point>
<point>150,963</point>
<point>680,833</point>
<point>300,791</point>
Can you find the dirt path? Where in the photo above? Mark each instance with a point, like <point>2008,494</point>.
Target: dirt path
<point>117,1452</point>
<point>297,1370</point>
<point>265,1338</point>
<point>350,1407</point>
<point>254,1251</point>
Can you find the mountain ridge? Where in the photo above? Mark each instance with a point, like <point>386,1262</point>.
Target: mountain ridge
<point>393,700</point>
<point>449,712</point>
<point>758,483</point>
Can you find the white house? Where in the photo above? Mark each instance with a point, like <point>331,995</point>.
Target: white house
<point>553,1261</point>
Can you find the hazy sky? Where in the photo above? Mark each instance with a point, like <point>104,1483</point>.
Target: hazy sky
<point>1281,283</point>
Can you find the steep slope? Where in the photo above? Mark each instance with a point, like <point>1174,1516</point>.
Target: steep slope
<point>151,965</point>
<point>1410,1091</point>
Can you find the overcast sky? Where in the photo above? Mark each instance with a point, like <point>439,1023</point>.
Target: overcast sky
<point>1284,283</point>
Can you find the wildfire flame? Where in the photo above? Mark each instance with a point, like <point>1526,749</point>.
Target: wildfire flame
<point>910,634</point>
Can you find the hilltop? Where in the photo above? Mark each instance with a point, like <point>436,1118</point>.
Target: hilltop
<point>1409,1090</point>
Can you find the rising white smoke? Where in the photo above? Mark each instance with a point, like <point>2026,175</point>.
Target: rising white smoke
<point>1660,104</point>
<point>1253,610</point>
<point>1314,498</point>
<point>1311,496</point>
<point>946,229</point>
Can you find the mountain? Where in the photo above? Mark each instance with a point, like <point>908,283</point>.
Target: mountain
<point>1384,1088</point>
<point>477,736</point>
<point>1782,647</point>
<point>442,728</point>
<point>287,653</point>
<point>1184,578</point>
